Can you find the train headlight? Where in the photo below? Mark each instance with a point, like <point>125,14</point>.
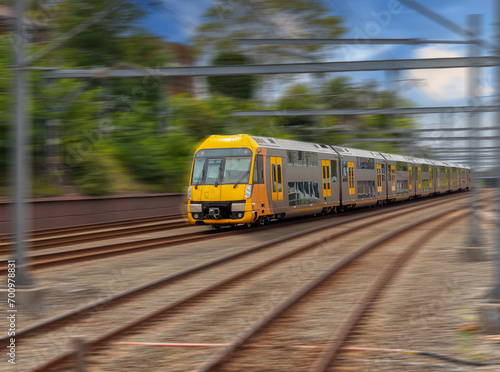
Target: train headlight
<point>190,194</point>
<point>248,191</point>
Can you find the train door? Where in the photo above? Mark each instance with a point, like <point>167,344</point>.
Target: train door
<point>430,178</point>
<point>336,188</point>
<point>352,188</point>
<point>410,179</point>
<point>393,177</point>
<point>327,183</point>
<point>379,179</point>
<point>259,194</point>
<point>277,177</point>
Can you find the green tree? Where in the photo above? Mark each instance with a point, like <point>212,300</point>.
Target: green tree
<point>225,21</point>
<point>298,97</point>
<point>241,87</point>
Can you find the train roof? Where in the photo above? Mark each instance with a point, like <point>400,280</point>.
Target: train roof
<point>424,161</point>
<point>276,143</point>
<point>395,157</point>
<point>268,142</point>
<point>357,152</point>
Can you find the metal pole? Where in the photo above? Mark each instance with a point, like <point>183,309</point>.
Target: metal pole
<point>496,291</point>
<point>21,168</point>
<point>474,238</point>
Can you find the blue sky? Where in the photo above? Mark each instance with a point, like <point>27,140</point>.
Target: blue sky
<point>176,21</point>
<point>377,19</point>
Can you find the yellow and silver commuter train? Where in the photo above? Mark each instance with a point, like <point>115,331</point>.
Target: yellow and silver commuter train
<point>243,179</point>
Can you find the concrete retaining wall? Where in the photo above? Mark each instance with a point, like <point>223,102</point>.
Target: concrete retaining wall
<point>60,212</point>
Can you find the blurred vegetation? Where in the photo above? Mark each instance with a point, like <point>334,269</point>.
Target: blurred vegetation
<point>125,136</point>
<point>242,87</point>
<point>224,22</point>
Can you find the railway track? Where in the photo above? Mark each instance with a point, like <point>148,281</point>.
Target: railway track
<point>279,323</point>
<point>43,239</point>
<point>71,256</point>
<point>240,259</point>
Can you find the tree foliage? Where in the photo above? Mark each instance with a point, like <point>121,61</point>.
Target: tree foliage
<point>225,21</point>
<point>124,132</point>
<point>242,87</point>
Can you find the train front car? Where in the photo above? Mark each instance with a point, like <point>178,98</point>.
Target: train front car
<point>222,181</point>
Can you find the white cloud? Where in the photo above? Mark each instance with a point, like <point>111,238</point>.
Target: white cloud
<point>441,85</point>
<point>363,52</point>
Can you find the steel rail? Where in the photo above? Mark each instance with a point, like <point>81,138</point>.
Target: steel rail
<point>85,254</point>
<point>93,226</point>
<point>339,338</point>
<point>93,235</point>
<point>222,356</point>
<point>99,341</point>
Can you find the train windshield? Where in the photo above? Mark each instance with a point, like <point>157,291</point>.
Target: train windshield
<point>222,166</point>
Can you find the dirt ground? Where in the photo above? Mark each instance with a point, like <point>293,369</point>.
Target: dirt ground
<point>432,306</point>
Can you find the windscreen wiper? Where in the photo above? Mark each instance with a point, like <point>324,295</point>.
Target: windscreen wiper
<point>218,176</point>
<point>241,178</point>
<point>200,179</point>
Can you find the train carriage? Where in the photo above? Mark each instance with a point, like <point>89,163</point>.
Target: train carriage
<point>303,177</point>
<point>398,177</point>
<point>424,177</point>
<point>362,177</point>
<point>244,179</point>
<point>442,177</point>
<point>464,177</point>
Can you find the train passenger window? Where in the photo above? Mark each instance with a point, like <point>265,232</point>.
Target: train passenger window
<point>280,188</point>
<point>402,166</point>
<point>379,177</point>
<point>300,193</point>
<point>274,177</point>
<point>311,159</point>
<point>333,164</point>
<point>258,170</point>
<point>291,157</point>
<point>366,189</point>
<point>324,177</point>
<point>365,163</point>
<point>344,171</point>
<point>402,187</point>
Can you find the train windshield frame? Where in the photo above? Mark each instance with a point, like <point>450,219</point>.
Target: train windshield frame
<point>231,166</point>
